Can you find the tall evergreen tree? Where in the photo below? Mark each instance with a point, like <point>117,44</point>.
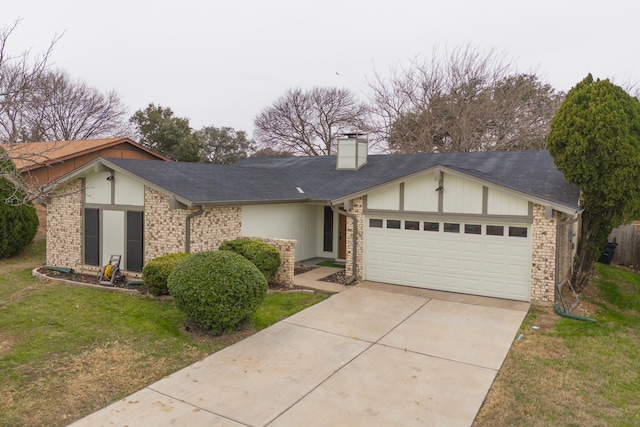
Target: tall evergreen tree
<point>595,142</point>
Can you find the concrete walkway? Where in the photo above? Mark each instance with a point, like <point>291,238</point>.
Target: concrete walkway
<point>370,355</point>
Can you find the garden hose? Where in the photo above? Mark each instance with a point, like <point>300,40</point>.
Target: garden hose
<point>108,271</point>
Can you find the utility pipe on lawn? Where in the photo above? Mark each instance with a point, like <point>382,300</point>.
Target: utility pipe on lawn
<point>354,252</point>
<point>187,232</point>
<point>556,307</point>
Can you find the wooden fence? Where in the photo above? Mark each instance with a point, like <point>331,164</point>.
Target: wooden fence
<point>628,249</point>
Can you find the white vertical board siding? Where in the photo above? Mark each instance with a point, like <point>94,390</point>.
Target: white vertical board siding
<point>387,198</point>
<point>97,188</point>
<point>112,235</point>
<point>294,221</point>
<point>461,195</point>
<point>128,191</point>
<point>501,203</point>
<point>420,194</point>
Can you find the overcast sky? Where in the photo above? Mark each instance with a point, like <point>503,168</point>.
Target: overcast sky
<point>220,62</point>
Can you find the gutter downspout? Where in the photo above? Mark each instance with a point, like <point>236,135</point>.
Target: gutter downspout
<point>556,306</point>
<point>354,254</point>
<point>187,231</point>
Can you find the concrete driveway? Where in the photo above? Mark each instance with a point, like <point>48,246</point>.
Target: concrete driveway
<point>371,355</point>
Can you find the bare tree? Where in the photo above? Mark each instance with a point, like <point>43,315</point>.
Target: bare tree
<point>19,75</point>
<point>63,108</point>
<point>463,100</point>
<point>307,122</point>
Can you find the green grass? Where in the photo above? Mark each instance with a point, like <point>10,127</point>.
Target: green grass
<point>280,306</point>
<point>329,263</point>
<point>67,351</point>
<point>573,372</point>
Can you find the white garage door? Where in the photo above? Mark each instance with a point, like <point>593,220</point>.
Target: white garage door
<point>489,259</point>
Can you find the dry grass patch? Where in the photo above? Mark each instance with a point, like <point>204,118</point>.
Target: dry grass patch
<point>573,373</point>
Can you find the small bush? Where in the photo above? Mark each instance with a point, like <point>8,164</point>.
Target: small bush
<point>262,255</point>
<point>156,272</point>
<point>218,290</point>
<point>18,220</point>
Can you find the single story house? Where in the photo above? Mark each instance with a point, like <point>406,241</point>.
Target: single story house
<point>482,223</point>
<point>43,162</point>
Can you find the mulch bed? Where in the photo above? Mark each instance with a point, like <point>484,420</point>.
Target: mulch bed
<point>90,279</point>
<point>339,277</point>
<point>93,280</point>
<point>303,269</point>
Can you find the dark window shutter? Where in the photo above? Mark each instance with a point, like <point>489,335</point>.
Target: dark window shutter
<point>328,230</point>
<point>92,236</point>
<point>135,227</point>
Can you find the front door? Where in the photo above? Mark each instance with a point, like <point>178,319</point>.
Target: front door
<point>342,237</point>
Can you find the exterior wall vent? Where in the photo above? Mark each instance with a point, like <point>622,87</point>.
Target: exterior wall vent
<point>352,151</point>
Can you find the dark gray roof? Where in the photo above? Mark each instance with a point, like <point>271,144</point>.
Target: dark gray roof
<point>208,183</point>
<point>276,178</point>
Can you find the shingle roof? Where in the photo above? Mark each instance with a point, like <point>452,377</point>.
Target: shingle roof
<point>276,179</point>
<point>204,183</point>
<point>31,155</point>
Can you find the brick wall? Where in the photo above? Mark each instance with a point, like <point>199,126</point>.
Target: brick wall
<point>164,229</point>
<point>287,258</point>
<point>214,226</point>
<point>543,265</point>
<point>64,231</point>
<point>358,210</point>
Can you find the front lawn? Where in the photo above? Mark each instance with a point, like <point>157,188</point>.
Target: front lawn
<point>573,373</point>
<point>68,351</point>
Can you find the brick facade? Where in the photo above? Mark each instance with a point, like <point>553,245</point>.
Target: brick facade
<point>357,209</point>
<point>543,256</point>
<point>164,229</point>
<point>287,258</point>
<point>64,233</point>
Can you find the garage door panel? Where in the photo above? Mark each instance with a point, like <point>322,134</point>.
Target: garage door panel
<point>495,248</point>
<point>412,260</point>
<point>473,247</point>
<point>497,266</point>
<point>412,242</point>
<point>472,267</point>
<point>450,245</point>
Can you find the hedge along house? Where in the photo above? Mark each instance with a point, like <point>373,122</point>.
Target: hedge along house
<point>476,223</point>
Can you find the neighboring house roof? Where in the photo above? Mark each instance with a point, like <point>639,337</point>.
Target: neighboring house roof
<point>280,179</point>
<point>32,155</point>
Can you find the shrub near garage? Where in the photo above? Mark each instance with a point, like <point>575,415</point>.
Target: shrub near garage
<point>218,290</point>
<point>156,272</point>
<point>261,254</point>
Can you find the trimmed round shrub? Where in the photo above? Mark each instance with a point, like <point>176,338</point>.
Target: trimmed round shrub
<point>261,254</point>
<point>156,272</point>
<point>218,290</point>
<point>18,220</point>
